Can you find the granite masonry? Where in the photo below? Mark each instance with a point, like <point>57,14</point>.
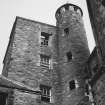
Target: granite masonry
<point>49,58</point>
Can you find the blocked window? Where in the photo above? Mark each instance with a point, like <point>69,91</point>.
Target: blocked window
<point>103,3</point>
<point>46,93</point>
<point>72,85</point>
<point>44,60</point>
<point>66,31</point>
<point>44,38</point>
<point>69,55</point>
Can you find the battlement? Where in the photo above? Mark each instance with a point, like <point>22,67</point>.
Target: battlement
<point>68,7</point>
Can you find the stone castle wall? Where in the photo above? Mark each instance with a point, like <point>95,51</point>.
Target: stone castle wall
<point>22,60</point>
<point>74,41</point>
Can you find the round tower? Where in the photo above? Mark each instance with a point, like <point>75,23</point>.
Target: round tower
<point>73,52</point>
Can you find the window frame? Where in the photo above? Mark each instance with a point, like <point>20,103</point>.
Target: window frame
<point>46,93</point>
<point>45,38</point>
<point>76,85</point>
<point>45,60</point>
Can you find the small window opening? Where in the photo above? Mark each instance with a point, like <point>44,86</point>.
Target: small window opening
<point>72,85</point>
<point>66,31</point>
<point>44,38</point>
<point>46,93</point>
<point>103,3</point>
<point>45,60</point>
<point>75,8</point>
<point>87,89</point>
<point>67,7</point>
<point>69,56</point>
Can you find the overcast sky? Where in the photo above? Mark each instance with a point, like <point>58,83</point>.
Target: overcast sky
<point>38,10</point>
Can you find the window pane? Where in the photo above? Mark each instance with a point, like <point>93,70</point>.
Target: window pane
<point>45,93</point>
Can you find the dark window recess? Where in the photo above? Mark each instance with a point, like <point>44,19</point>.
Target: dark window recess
<point>75,8</point>
<point>103,3</point>
<point>3,98</point>
<point>66,31</point>
<point>44,60</point>
<point>72,85</point>
<point>44,38</point>
<point>69,56</point>
<point>59,12</point>
<point>45,90</point>
<point>87,89</point>
<point>67,7</point>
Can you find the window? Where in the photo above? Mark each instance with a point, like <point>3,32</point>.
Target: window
<point>86,89</point>
<point>67,7</point>
<point>72,85</point>
<point>103,2</point>
<point>46,93</point>
<point>66,31</point>
<point>44,60</point>
<point>44,38</point>
<point>69,56</point>
<point>3,98</point>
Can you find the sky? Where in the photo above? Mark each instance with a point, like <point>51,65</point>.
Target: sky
<point>38,10</point>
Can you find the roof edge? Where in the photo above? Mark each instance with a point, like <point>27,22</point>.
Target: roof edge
<point>18,17</point>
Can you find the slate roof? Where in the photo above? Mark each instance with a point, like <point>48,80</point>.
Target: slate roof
<point>8,83</point>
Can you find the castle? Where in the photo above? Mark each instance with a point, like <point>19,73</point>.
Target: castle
<point>54,60</point>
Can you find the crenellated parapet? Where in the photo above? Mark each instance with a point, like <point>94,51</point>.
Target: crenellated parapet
<point>68,8</point>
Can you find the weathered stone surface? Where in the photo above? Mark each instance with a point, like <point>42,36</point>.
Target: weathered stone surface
<point>75,42</point>
<point>94,62</point>
<point>25,57</point>
<point>99,90</point>
<point>97,77</point>
<point>21,98</point>
<point>97,17</point>
<point>22,61</point>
